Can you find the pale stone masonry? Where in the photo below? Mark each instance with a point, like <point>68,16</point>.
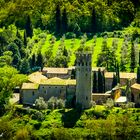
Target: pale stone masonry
<point>83,79</point>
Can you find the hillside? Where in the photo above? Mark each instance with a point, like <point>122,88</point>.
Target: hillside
<point>95,123</point>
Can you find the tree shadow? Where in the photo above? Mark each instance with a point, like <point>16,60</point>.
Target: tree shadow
<point>70,117</point>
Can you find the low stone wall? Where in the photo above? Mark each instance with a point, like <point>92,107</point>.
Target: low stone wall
<point>100,98</point>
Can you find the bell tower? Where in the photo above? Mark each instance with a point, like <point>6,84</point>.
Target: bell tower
<point>84,79</point>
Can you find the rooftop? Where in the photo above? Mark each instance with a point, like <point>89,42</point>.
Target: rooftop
<point>136,86</point>
<point>36,77</point>
<point>121,99</point>
<point>30,86</point>
<point>56,70</point>
<point>123,75</point>
<point>58,81</point>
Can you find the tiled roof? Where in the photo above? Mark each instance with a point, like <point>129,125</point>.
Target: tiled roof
<point>123,75</point>
<point>36,77</point>
<point>136,86</point>
<point>56,70</point>
<point>58,81</point>
<point>30,86</point>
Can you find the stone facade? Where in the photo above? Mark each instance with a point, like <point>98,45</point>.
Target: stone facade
<point>135,93</point>
<point>83,79</point>
<point>124,77</point>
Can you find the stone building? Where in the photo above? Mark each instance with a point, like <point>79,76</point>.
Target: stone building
<point>135,93</point>
<point>84,79</point>
<point>124,77</point>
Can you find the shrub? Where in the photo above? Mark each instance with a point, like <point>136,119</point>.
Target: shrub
<point>60,103</point>
<point>40,103</point>
<point>38,116</point>
<point>109,104</point>
<point>22,134</point>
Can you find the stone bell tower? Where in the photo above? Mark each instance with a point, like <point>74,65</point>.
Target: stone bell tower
<point>83,79</point>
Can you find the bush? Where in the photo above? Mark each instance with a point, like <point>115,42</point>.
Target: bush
<point>38,116</point>
<point>70,35</point>
<point>109,104</point>
<point>22,134</point>
<point>40,103</point>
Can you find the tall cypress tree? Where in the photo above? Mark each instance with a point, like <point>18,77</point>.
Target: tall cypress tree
<point>25,38</point>
<point>58,19</point>
<point>95,86</point>
<point>18,35</point>
<point>33,61</point>
<point>132,63</point>
<point>93,21</point>
<point>118,73</point>
<point>114,82</point>
<point>39,61</point>
<point>100,82</point>
<point>28,27</point>
<point>138,75</point>
<point>64,21</point>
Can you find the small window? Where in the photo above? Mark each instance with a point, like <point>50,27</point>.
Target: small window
<point>33,93</point>
<point>42,87</point>
<point>82,63</point>
<point>86,98</point>
<point>86,63</point>
<point>55,87</point>
<point>86,74</point>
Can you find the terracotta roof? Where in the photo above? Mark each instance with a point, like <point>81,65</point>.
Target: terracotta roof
<point>101,94</point>
<point>36,77</point>
<point>97,68</point>
<point>136,86</point>
<point>30,86</point>
<point>71,82</point>
<point>54,81</point>
<point>58,81</point>
<point>123,75</point>
<point>56,70</point>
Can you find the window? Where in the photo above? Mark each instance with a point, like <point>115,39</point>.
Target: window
<point>33,93</point>
<point>86,98</point>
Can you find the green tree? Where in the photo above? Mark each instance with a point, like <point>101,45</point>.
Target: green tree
<point>64,21</point>
<point>138,75</point>
<point>114,82</point>
<point>95,83</point>
<point>28,27</point>
<point>24,66</point>
<point>25,38</point>
<point>18,34</point>
<point>6,59</point>
<point>118,73</point>
<point>100,82</point>
<point>9,79</point>
<point>58,19</point>
<point>39,60</point>
<point>93,21</point>
<point>133,60</point>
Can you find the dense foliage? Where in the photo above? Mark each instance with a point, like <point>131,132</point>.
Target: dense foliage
<point>96,123</point>
<point>74,16</point>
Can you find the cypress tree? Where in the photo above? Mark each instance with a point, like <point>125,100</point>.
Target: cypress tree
<point>25,38</point>
<point>28,27</point>
<point>58,19</point>
<point>39,61</point>
<point>64,21</point>
<point>33,62</point>
<point>93,21</point>
<point>100,82</point>
<point>65,52</point>
<point>95,86</point>
<point>18,35</point>
<point>24,66</point>
<point>132,63</point>
<point>139,58</point>
<point>118,73</point>
<point>138,75</point>
<point>114,82</point>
